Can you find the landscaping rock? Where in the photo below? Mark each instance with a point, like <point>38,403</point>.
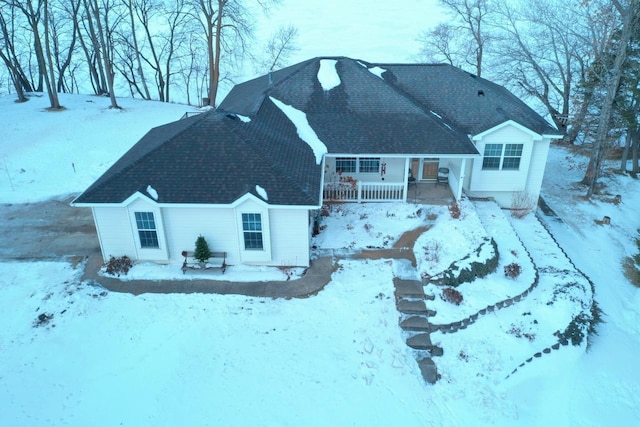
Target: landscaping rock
<point>408,288</point>
<point>429,370</point>
<point>416,323</point>
<point>411,307</point>
<point>420,342</point>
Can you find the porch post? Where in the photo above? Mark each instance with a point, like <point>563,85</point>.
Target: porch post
<point>407,163</point>
<point>463,166</point>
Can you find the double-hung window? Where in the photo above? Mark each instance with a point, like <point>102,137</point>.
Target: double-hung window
<point>369,165</point>
<point>346,164</point>
<point>357,165</point>
<point>252,231</point>
<point>147,232</point>
<point>502,156</point>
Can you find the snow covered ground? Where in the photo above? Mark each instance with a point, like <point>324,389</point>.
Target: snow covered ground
<point>74,354</point>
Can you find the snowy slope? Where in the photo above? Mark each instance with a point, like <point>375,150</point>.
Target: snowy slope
<point>337,358</point>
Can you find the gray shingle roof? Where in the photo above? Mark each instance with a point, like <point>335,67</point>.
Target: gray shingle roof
<point>216,158</point>
<point>470,103</point>
<point>213,158</point>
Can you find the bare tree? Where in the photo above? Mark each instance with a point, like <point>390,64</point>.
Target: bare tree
<point>278,49</point>
<point>539,53</point>
<point>629,13</point>
<point>227,28</point>
<point>8,53</point>
<point>104,16</point>
<point>464,39</point>
<point>37,15</point>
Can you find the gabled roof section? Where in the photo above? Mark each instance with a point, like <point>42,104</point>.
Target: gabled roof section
<point>363,114</point>
<point>470,103</point>
<point>213,158</point>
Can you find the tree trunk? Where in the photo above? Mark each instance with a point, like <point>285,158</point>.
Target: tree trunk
<point>140,71</point>
<point>50,77</point>
<point>595,162</point>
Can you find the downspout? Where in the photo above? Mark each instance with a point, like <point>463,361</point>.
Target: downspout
<point>407,163</point>
<point>463,167</point>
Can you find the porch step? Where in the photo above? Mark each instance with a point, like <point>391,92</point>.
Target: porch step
<point>408,288</point>
<point>416,324</point>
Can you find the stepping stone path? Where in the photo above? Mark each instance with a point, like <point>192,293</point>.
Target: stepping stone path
<point>410,302</point>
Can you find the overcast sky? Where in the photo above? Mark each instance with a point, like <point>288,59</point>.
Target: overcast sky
<point>372,30</point>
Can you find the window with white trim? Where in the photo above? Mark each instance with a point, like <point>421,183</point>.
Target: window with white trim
<point>345,164</point>
<point>146,224</point>
<point>369,165</point>
<point>252,231</point>
<point>502,156</point>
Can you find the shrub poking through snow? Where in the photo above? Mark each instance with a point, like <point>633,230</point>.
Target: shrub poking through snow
<point>117,266</point>
<point>522,203</point>
<point>576,331</point>
<point>454,210</point>
<point>452,295</point>
<point>519,333</point>
<point>512,270</point>
<point>202,252</point>
<point>480,263</point>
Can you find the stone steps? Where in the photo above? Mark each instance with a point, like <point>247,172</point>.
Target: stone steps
<point>416,324</point>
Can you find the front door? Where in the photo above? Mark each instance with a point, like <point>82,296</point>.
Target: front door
<point>429,169</point>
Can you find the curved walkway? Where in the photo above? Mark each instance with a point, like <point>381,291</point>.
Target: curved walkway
<point>317,276</point>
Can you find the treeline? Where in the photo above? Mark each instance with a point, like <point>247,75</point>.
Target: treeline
<point>156,47</point>
<point>579,59</point>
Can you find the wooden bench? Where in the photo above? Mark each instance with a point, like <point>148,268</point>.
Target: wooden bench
<point>217,260</point>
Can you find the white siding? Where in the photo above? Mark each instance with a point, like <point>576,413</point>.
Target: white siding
<point>394,170</point>
<point>114,232</point>
<point>290,237</point>
<point>501,185</point>
<point>538,164</point>
<point>218,226</point>
<point>285,233</point>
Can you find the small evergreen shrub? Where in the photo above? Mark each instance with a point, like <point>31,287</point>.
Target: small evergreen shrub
<point>202,252</point>
<point>117,266</point>
<point>456,275</point>
<point>452,295</point>
<point>512,270</point>
<point>576,330</point>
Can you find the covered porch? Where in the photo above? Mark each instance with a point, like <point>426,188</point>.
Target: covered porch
<point>413,179</point>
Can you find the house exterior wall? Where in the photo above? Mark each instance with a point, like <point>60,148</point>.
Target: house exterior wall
<point>285,233</point>
<point>502,185</point>
<point>394,170</point>
<point>114,232</point>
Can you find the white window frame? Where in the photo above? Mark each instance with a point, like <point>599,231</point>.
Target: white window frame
<point>519,147</point>
<point>143,225</point>
<point>249,219</point>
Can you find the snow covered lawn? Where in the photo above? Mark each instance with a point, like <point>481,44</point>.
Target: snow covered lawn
<point>74,354</point>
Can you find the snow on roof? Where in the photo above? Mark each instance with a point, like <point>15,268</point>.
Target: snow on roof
<point>152,192</point>
<point>262,192</point>
<point>377,71</point>
<point>244,119</point>
<point>305,131</point>
<point>328,75</point>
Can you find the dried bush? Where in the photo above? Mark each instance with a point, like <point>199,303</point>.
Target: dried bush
<point>517,332</point>
<point>522,203</point>
<point>117,266</point>
<point>452,295</point>
<point>454,210</point>
<point>512,270</point>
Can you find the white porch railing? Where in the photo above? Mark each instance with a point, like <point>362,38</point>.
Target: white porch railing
<point>364,192</point>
